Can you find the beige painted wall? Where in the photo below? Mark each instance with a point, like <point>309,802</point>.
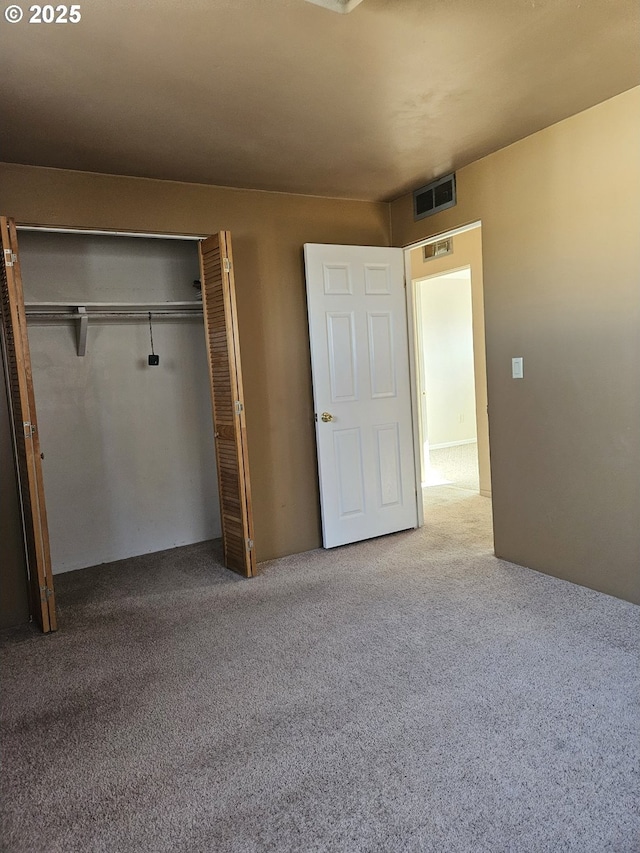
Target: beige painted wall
<point>467,252</point>
<point>268,232</point>
<point>560,215</point>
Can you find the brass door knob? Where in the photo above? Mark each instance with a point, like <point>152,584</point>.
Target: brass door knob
<point>326,418</point>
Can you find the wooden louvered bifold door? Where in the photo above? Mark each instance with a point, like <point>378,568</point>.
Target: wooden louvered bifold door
<point>27,442</point>
<point>221,329</point>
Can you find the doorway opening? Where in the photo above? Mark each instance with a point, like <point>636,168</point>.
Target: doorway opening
<point>444,331</point>
<point>446,310</point>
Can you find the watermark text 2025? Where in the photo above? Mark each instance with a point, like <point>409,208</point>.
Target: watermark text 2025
<point>44,14</point>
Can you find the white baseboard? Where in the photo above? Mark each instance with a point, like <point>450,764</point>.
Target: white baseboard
<point>453,443</point>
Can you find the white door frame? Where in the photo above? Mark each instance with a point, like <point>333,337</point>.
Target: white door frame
<point>413,348</point>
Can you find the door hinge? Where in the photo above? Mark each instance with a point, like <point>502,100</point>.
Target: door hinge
<point>249,544</point>
<point>9,258</point>
<point>29,429</point>
<point>45,593</point>
<point>239,407</point>
<point>226,264</point>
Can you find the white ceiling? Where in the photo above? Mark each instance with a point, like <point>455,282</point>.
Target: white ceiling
<point>285,95</point>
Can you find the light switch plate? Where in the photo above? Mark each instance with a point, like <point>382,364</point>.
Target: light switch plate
<point>517,369</point>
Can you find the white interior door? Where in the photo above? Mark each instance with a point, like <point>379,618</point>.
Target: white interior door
<point>362,392</point>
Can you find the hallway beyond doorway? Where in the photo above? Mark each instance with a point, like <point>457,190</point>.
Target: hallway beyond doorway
<point>455,466</point>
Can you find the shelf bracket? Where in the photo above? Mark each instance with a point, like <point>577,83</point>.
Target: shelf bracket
<point>83,325</point>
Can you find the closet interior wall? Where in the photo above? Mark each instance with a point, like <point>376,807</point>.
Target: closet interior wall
<point>129,459</point>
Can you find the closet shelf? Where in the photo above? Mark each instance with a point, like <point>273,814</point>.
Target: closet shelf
<point>61,309</point>
<point>82,312</point>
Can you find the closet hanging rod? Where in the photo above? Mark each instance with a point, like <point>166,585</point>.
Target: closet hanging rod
<point>47,312</point>
<point>113,315</point>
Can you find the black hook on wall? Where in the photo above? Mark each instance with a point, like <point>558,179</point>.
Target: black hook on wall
<point>154,359</point>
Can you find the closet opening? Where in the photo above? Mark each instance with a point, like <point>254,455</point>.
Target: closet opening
<point>129,459</point>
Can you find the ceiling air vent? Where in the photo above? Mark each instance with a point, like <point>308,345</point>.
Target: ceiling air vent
<point>436,196</point>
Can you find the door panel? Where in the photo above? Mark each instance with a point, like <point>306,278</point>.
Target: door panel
<point>377,279</point>
<point>348,455</point>
<point>389,465</point>
<point>360,365</point>
<point>341,337</point>
<point>382,355</point>
<point>25,429</point>
<point>223,350</point>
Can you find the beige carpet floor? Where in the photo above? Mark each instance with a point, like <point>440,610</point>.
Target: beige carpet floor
<point>411,693</point>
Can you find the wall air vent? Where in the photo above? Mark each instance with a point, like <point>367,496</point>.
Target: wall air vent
<point>343,6</point>
<point>437,249</point>
<point>436,196</point>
